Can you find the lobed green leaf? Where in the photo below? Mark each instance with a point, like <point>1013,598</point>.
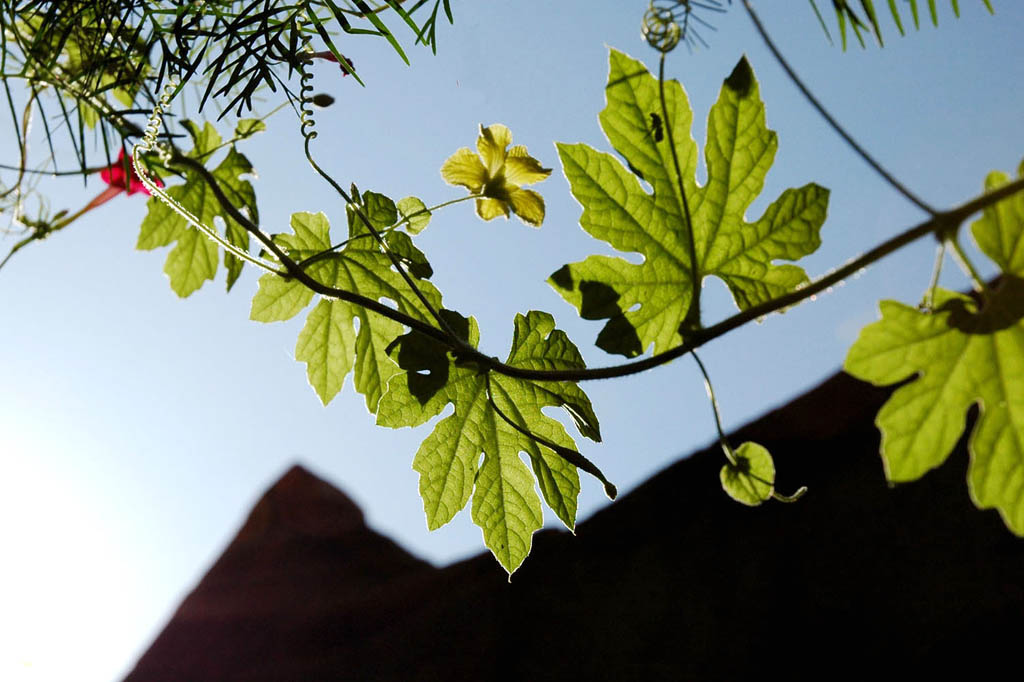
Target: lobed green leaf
<point>505,504</point>
<point>649,304</point>
<point>962,353</point>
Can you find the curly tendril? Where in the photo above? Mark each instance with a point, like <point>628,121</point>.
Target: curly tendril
<point>151,144</point>
<point>660,28</point>
<point>666,22</point>
<point>306,114</point>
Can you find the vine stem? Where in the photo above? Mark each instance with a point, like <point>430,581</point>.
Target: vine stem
<point>722,440</point>
<point>292,269</point>
<point>939,224</point>
<point>308,135</point>
<point>966,265</point>
<point>692,319</point>
<point>936,224</point>
<point>929,297</point>
<point>430,209</point>
<point>820,108</point>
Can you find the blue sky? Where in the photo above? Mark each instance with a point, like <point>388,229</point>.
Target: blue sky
<point>136,429</point>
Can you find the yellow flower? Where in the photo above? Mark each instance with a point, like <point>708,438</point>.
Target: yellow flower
<point>499,176</point>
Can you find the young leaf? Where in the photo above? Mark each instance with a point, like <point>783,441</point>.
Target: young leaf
<point>247,127</point>
<point>416,212</point>
<point>379,209</point>
<point>505,505</point>
<point>194,258</point>
<point>647,303</point>
<point>329,343</point>
<point>962,355</point>
<point>752,480</point>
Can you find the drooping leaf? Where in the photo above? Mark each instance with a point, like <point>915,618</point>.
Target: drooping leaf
<point>329,343</point>
<point>194,258</point>
<point>752,480</point>
<point>962,354</point>
<point>505,504</point>
<point>648,303</point>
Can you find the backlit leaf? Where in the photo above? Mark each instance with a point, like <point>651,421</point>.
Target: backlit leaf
<point>962,354</point>
<point>505,504</point>
<point>649,303</point>
<point>752,480</point>
<point>329,343</point>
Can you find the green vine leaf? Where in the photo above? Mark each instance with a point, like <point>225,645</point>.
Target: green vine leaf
<point>194,258</point>
<point>505,504</point>
<point>962,354</point>
<point>1000,230</point>
<point>647,304</point>
<point>751,480</point>
<point>414,260</point>
<point>247,127</point>
<point>329,343</point>
<point>415,213</point>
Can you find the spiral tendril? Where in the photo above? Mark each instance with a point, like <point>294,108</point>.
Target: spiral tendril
<point>306,115</point>
<point>150,143</point>
<point>660,28</point>
<point>666,22</point>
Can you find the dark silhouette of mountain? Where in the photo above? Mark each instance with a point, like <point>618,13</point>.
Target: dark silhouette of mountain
<point>673,581</point>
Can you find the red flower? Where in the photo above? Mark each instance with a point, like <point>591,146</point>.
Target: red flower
<point>115,177</point>
<point>329,56</point>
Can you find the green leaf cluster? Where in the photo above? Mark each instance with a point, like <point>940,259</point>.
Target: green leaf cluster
<point>194,258</point>
<point>329,343</point>
<point>409,378</point>
<point>959,353</point>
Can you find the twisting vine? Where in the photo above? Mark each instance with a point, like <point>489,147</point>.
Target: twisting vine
<point>552,368</point>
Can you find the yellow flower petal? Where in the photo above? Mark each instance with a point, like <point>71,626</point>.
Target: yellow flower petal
<point>523,169</point>
<point>528,205</point>
<point>464,168</point>
<point>488,209</point>
<point>491,145</point>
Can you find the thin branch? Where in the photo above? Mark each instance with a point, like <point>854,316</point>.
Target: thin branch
<point>896,184</point>
<point>942,221</point>
<point>295,271</point>
<point>938,224</point>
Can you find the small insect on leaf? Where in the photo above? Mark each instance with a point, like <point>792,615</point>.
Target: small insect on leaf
<point>656,127</point>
